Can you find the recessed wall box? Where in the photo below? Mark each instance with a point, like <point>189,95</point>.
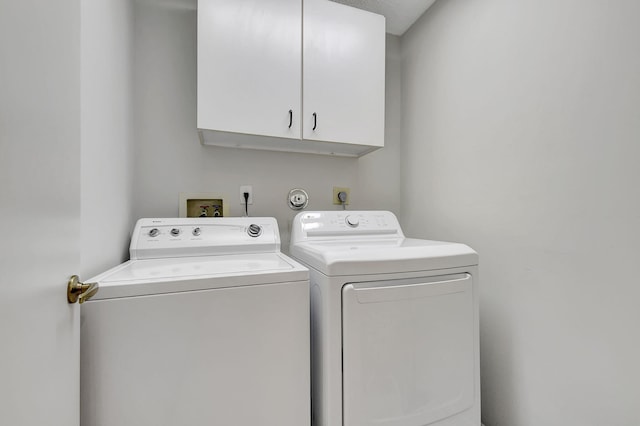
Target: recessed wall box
<point>202,205</point>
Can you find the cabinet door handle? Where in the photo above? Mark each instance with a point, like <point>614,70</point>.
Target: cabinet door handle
<point>315,121</point>
<point>290,118</point>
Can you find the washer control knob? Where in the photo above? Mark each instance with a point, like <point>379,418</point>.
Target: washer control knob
<point>154,232</point>
<point>254,230</point>
<point>175,232</point>
<point>352,221</point>
<point>196,231</point>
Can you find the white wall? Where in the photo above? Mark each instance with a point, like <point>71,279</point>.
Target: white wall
<point>107,133</point>
<point>169,158</point>
<point>522,138</point>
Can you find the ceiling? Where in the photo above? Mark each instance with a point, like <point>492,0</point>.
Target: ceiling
<point>400,14</point>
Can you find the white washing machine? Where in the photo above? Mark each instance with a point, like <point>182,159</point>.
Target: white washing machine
<point>394,323</point>
<point>207,324</point>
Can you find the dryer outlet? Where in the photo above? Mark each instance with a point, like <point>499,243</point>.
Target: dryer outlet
<point>336,195</point>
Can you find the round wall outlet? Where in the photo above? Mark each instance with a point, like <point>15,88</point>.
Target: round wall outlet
<point>298,199</point>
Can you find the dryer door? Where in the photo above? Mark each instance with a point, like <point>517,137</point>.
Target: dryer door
<point>408,350</point>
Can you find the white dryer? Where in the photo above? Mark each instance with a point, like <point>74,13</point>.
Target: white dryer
<point>394,323</point>
<point>207,324</point>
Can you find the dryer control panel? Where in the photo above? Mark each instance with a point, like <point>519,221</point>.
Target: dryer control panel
<point>178,237</point>
<point>315,225</point>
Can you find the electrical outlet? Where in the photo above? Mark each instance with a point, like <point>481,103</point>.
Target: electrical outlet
<point>336,199</point>
<point>249,189</point>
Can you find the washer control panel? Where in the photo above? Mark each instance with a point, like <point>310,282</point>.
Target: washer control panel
<point>310,225</point>
<point>160,238</point>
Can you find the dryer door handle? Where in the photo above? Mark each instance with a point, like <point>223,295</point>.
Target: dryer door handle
<point>376,292</point>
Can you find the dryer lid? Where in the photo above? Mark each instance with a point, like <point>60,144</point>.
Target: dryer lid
<point>368,242</point>
<point>364,257</point>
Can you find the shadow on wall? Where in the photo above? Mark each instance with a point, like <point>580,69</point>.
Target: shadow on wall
<point>497,342</point>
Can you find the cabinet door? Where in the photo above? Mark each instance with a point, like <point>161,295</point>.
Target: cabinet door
<point>249,56</point>
<point>343,73</point>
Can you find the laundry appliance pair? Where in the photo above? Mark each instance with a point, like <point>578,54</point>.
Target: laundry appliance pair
<point>209,323</point>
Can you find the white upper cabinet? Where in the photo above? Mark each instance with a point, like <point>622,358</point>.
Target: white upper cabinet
<point>343,74</point>
<point>249,56</point>
<point>271,78</point>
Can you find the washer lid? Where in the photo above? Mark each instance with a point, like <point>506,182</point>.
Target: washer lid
<point>157,276</point>
<point>383,256</point>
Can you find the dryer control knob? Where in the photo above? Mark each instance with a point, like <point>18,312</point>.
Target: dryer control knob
<point>352,221</point>
<point>196,231</point>
<point>254,230</point>
<point>175,232</point>
<point>154,232</point>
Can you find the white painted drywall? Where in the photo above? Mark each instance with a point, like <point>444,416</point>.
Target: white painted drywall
<point>107,133</point>
<point>169,158</point>
<point>521,124</point>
